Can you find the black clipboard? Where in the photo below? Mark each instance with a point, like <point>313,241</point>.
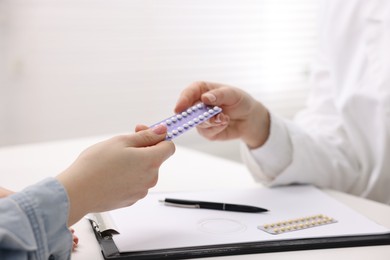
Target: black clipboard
<point>282,204</point>
<point>111,252</point>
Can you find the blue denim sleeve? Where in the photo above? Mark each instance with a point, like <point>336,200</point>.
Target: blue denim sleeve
<point>33,223</point>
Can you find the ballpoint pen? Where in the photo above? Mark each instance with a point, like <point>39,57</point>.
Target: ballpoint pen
<point>212,205</point>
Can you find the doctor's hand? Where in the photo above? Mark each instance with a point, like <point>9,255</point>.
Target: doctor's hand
<point>242,116</point>
<point>115,173</point>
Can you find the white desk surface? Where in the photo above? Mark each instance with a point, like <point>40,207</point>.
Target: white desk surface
<point>186,170</point>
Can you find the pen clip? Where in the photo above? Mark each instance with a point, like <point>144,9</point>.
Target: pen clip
<point>181,205</point>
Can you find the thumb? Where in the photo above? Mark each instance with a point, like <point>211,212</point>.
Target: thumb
<point>223,96</point>
<point>148,137</point>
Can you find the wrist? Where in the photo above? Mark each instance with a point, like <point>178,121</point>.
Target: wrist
<point>257,127</point>
<point>5,192</point>
<point>76,196</point>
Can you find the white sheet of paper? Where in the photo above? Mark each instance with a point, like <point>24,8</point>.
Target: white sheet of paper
<point>149,224</point>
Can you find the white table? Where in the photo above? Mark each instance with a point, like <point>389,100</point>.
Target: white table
<point>186,170</point>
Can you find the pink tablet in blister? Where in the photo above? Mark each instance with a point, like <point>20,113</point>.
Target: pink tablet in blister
<point>182,122</point>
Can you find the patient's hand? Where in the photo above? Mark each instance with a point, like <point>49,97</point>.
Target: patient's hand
<point>5,192</point>
<point>75,239</point>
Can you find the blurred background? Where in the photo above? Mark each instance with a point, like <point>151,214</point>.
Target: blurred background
<point>77,68</point>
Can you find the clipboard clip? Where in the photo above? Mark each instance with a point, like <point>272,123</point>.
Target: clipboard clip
<point>95,227</point>
<point>99,225</point>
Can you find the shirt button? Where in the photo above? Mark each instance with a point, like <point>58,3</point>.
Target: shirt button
<point>52,257</point>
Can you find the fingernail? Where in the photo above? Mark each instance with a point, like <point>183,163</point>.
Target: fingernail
<point>159,129</point>
<point>211,98</point>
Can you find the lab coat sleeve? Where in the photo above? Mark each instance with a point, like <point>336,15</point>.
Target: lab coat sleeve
<point>295,154</point>
<point>33,223</point>
<point>315,148</point>
<point>267,162</point>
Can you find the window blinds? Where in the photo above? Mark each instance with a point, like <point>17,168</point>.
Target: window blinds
<point>82,67</point>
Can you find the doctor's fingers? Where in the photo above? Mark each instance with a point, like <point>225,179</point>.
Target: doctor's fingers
<point>218,120</point>
<point>225,97</point>
<point>213,133</point>
<point>193,94</point>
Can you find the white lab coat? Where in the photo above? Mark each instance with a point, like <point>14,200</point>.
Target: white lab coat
<point>342,139</point>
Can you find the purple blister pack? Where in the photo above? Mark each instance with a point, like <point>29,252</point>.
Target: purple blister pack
<point>182,122</point>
